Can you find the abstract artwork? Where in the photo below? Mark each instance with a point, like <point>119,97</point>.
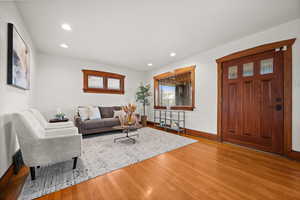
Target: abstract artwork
<point>18,69</point>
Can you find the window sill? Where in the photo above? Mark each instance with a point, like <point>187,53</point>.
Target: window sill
<point>105,91</point>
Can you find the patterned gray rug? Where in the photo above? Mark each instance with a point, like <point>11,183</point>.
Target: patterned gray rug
<point>101,155</point>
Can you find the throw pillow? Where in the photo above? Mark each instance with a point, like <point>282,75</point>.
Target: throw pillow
<point>94,113</point>
<point>106,112</point>
<point>119,113</point>
<point>83,113</point>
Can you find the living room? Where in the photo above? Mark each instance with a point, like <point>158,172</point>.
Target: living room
<point>159,100</point>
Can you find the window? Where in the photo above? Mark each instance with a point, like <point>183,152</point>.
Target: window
<point>175,89</point>
<point>95,81</point>
<point>232,72</point>
<point>102,82</point>
<point>167,94</point>
<point>113,83</point>
<point>248,69</point>
<point>266,66</point>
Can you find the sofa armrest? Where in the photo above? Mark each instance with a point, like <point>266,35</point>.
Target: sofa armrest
<point>137,115</point>
<point>78,123</point>
<point>137,118</point>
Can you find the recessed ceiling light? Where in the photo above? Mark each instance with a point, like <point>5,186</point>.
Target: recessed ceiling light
<point>150,64</point>
<point>66,27</point>
<point>64,46</point>
<point>172,54</point>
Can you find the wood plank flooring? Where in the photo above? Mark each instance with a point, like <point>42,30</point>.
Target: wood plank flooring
<point>204,170</point>
<point>14,186</point>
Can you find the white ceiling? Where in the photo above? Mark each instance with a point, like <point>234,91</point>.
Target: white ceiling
<point>132,33</point>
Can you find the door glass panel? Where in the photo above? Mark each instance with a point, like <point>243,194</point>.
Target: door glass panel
<point>248,69</point>
<point>232,72</point>
<point>266,66</point>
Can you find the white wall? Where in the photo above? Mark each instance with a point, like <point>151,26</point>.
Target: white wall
<point>204,118</point>
<point>11,99</point>
<point>60,83</point>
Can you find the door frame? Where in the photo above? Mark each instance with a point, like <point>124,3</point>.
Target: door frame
<point>286,46</point>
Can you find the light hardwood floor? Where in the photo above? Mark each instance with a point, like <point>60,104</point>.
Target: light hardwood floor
<point>203,170</point>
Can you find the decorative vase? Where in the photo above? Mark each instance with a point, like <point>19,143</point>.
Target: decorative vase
<point>129,116</point>
<point>130,119</point>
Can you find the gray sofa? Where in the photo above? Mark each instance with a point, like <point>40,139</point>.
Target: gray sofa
<point>98,125</point>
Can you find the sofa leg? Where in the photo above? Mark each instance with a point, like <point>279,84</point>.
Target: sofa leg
<point>32,173</point>
<point>75,162</point>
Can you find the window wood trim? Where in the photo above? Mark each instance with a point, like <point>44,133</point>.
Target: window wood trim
<point>106,76</point>
<point>173,73</point>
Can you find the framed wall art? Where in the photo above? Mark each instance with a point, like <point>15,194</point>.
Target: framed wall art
<point>18,57</point>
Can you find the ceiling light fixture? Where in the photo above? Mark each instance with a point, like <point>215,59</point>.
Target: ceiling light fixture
<point>172,54</point>
<point>64,46</point>
<point>66,27</point>
<point>150,64</point>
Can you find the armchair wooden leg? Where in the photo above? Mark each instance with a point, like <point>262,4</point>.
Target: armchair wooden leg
<point>32,173</point>
<point>75,162</point>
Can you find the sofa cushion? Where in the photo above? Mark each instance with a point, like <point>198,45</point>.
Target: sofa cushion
<point>111,122</point>
<point>107,112</point>
<point>94,112</point>
<point>119,113</point>
<point>100,123</point>
<point>93,124</point>
<point>83,112</point>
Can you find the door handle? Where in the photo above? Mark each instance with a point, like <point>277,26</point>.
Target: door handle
<point>278,107</point>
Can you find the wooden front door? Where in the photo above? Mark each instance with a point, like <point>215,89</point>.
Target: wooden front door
<point>253,101</point>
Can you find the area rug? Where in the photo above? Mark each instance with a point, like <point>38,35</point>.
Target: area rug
<point>101,155</point>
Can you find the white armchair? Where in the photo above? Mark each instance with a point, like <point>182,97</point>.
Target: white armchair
<point>40,146</point>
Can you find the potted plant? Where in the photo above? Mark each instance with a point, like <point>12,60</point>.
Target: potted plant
<point>60,116</point>
<point>142,96</point>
